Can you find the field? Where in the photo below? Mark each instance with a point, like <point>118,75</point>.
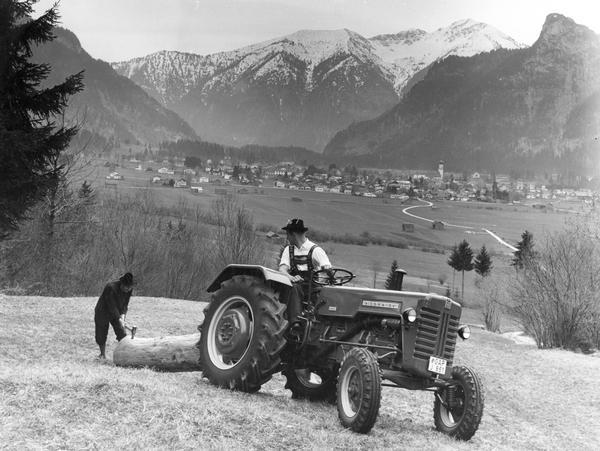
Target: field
<point>341,214</point>
<point>55,395</point>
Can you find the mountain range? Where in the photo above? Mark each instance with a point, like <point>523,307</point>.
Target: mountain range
<point>535,107</point>
<point>111,107</point>
<point>302,88</point>
<point>466,94</point>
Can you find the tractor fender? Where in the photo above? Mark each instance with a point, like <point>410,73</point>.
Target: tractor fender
<point>267,274</point>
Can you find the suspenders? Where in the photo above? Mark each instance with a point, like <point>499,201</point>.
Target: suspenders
<point>295,261</point>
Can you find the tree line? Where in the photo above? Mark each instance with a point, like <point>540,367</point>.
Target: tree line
<point>203,150</point>
<point>462,259</point>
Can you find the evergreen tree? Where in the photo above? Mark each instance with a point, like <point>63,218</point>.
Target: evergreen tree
<point>390,277</point>
<point>483,262</point>
<point>524,250</point>
<point>86,193</point>
<point>461,259</point>
<point>30,139</point>
<point>454,262</point>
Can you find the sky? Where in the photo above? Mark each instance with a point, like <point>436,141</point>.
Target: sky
<point>117,30</point>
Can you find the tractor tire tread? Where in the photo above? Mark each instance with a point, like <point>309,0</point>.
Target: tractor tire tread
<point>267,344</point>
<point>371,399</point>
<point>471,419</point>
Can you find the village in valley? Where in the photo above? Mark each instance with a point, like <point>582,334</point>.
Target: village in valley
<point>545,191</point>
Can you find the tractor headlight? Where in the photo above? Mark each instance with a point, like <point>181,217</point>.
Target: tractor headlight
<point>464,332</point>
<point>409,315</point>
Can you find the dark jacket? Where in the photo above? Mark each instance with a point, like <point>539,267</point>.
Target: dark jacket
<point>113,301</point>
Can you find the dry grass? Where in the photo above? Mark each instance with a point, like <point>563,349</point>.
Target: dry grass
<point>55,395</point>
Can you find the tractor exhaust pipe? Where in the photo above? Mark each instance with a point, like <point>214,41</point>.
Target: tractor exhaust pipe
<point>397,279</point>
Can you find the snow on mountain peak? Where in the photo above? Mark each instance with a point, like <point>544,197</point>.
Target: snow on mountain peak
<point>320,37</point>
<point>465,23</point>
<point>312,46</point>
<point>405,57</point>
<point>169,74</point>
<point>408,36</point>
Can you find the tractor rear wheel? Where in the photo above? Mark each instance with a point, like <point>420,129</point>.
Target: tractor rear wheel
<point>359,390</point>
<point>317,385</point>
<point>458,409</point>
<point>242,335</point>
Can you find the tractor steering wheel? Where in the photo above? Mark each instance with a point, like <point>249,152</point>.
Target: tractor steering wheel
<point>332,276</point>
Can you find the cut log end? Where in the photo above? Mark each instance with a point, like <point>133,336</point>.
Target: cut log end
<point>169,353</point>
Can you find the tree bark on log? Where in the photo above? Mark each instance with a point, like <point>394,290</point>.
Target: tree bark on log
<point>169,353</point>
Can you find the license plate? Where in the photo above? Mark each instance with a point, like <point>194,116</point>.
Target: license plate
<point>437,365</point>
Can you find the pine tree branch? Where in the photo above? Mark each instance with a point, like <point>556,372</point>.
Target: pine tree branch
<point>35,31</point>
<point>52,101</point>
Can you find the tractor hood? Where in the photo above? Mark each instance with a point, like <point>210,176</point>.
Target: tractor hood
<point>349,301</point>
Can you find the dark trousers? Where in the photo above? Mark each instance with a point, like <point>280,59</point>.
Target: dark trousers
<point>102,321</point>
<point>293,297</point>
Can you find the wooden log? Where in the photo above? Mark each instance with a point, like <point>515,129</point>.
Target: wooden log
<point>169,353</point>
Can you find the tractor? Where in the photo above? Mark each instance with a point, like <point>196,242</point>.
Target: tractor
<point>354,341</point>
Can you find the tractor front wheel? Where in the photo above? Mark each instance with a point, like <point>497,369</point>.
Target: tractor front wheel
<point>359,390</point>
<point>242,335</point>
<point>458,409</point>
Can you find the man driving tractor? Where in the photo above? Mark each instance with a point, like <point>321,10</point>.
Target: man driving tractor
<point>299,261</point>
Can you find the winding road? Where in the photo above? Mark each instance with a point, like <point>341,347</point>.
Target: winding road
<point>447,224</point>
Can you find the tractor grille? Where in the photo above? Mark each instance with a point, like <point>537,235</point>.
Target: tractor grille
<point>436,334</point>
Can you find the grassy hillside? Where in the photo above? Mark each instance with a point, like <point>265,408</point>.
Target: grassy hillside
<point>55,395</point>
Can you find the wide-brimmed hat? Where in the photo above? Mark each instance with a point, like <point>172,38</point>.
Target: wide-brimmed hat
<point>295,226</point>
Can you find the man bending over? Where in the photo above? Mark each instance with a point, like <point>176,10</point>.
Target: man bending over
<point>111,309</point>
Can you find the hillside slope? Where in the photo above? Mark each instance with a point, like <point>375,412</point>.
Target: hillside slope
<point>534,108</point>
<point>54,394</point>
<point>110,106</point>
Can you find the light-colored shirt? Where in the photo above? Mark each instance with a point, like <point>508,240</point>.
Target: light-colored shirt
<point>319,257</point>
